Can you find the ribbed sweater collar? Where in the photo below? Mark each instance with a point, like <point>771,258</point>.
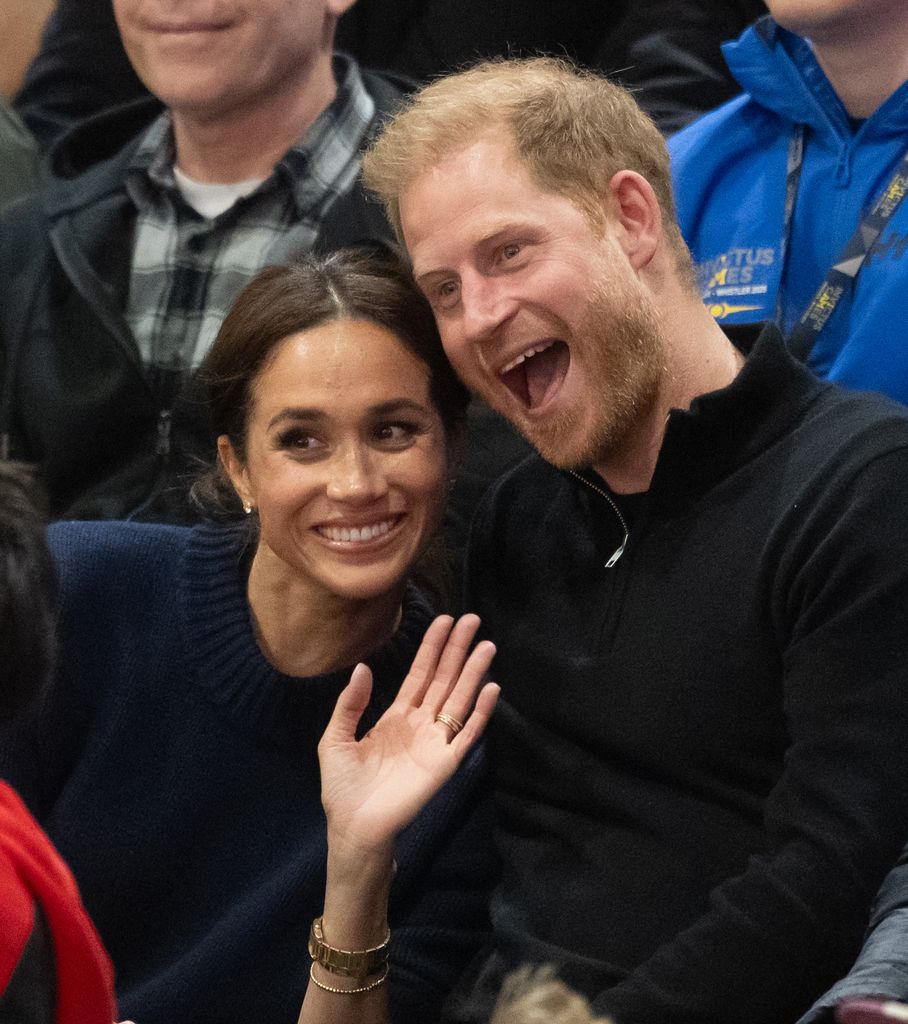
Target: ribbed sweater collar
<point>227,664</point>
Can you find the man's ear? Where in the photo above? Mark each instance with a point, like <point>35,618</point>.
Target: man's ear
<point>635,210</point>
<point>235,469</point>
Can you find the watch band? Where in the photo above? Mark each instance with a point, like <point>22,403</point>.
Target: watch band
<point>350,963</point>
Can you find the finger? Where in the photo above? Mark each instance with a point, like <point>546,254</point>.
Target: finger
<point>478,719</point>
<point>452,662</point>
<point>426,661</point>
<point>456,709</point>
<point>456,698</point>
<point>351,704</point>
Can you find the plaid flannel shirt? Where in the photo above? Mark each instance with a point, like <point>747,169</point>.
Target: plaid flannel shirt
<point>187,269</point>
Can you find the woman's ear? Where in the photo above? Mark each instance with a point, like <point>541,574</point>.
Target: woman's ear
<point>635,210</point>
<point>235,469</point>
<point>338,7</point>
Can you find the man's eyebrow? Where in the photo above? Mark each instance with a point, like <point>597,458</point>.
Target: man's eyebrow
<point>428,275</point>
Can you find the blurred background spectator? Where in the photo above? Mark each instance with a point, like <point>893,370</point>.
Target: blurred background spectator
<point>789,196</point>
<point>20,33</point>
<point>666,50</point>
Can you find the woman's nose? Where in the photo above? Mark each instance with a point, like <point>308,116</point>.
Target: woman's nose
<point>356,476</point>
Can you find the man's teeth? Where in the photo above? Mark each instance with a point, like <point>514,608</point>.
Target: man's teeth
<point>356,533</point>
<point>526,355</point>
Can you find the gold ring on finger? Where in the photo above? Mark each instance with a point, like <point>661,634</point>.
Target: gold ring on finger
<point>454,724</point>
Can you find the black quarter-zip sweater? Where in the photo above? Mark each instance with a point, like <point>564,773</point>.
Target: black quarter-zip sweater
<point>701,754</point>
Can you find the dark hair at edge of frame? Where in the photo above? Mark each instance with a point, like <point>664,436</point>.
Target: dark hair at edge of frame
<point>27,590</point>
<point>363,283</point>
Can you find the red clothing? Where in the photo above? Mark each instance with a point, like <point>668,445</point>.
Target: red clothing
<point>30,870</point>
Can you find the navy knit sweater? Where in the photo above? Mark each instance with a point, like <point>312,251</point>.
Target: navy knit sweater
<point>175,769</point>
<point>701,754</point>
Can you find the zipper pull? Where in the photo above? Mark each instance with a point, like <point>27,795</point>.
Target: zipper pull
<point>620,550</point>
<point>617,554</point>
<point>164,423</point>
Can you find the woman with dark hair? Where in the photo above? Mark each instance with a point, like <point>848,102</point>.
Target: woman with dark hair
<point>52,964</point>
<point>223,782</point>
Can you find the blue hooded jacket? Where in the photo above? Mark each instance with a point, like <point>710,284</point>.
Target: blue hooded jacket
<point>729,171</point>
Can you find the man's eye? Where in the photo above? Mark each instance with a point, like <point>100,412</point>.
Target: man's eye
<point>510,250</point>
<point>446,291</point>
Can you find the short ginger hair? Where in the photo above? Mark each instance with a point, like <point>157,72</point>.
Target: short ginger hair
<point>571,128</point>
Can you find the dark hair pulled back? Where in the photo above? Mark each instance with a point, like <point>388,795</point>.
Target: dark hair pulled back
<point>312,290</point>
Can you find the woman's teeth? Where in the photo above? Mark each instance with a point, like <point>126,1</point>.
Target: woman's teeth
<point>356,533</point>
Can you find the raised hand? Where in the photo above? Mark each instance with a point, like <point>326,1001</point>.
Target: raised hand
<point>372,788</point>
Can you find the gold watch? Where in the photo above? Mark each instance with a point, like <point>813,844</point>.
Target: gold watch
<point>350,963</point>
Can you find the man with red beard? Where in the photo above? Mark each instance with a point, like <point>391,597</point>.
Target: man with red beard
<point>698,588</point>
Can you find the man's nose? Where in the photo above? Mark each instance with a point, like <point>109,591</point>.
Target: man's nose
<point>486,305</point>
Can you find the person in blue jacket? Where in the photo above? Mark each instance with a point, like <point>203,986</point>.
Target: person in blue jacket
<point>789,196</point>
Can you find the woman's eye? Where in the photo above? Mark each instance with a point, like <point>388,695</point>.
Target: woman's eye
<point>299,441</point>
<point>510,250</point>
<point>395,434</point>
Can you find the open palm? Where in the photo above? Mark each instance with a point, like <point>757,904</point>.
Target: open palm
<point>372,788</point>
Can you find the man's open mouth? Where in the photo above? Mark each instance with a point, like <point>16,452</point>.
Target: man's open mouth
<point>535,375</point>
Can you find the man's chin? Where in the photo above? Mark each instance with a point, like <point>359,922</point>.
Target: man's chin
<point>560,438</point>
<point>562,442</point>
<point>565,458</point>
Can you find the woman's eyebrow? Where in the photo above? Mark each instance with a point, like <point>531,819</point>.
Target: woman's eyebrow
<point>311,414</point>
<point>396,405</point>
<point>296,412</point>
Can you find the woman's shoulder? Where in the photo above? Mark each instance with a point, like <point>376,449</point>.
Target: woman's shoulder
<point>120,555</point>
<point>75,538</point>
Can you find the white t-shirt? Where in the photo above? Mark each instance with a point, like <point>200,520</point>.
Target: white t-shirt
<point>209,199</point>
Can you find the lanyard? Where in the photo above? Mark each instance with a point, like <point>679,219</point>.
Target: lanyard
<point>841,275</point>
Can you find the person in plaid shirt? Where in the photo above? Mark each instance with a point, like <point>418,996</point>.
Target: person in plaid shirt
<point>152,217</point>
